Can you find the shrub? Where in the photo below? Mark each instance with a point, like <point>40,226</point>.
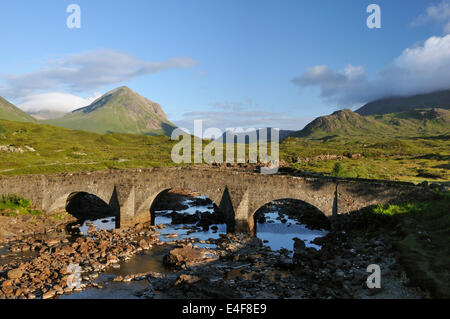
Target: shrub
<point>12,205</point>
<point>337,170</point>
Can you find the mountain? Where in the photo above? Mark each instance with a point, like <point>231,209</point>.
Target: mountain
<point>439,99</point>
<point>346,123</point>
<point>282,134</point>
<point>120,111</point>
<point>10,112</point>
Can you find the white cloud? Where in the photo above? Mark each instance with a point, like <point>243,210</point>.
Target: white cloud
<point>55,101</point>
<point>437,13</point>
<point>417,70</point>
<point>91,70</point>
<point>81,74</point>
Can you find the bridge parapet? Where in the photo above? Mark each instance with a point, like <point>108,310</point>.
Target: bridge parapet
<point>239,194</point>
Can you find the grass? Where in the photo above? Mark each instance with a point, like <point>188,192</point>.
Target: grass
<point>414,159</point>
<point>61,216</point>
<point>11,206</point>
<point>63,150</point>
<point>424,249</point>
<point>411,159</point>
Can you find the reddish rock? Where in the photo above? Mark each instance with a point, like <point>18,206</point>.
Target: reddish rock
<point>15,274</point>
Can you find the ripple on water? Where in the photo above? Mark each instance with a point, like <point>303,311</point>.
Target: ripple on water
<point>280,235</point>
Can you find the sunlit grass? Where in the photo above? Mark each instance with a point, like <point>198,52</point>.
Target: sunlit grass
<point>424,249</point>
<point>11,205</point>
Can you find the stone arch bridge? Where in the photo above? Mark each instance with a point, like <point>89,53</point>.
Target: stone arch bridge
<point>239,194</point>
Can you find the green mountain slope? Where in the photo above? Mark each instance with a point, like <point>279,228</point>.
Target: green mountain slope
<point>440,99</point>
<point>10,112</point>
<point>121,111</point>
<point>346,123</point>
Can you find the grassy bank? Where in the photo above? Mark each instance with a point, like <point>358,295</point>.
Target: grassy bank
<point>12,206</point>
<point>412,159</point>
<point>424,245</point>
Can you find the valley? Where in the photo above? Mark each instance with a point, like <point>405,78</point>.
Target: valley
<point>183,245</point>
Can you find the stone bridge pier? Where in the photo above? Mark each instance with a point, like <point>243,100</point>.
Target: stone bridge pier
<point>238,194</point>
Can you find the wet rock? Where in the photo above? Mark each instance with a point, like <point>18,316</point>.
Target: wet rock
<point>7,283</point>
<point>15,274</point>
<point>144,244</point>
<point>52,242</point>
<point>186,279</point>
<point>186,256</point>
<point>49,294</point>
<point>111,259</point>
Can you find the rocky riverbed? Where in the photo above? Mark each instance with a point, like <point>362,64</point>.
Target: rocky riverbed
<point>161,262</point>
<point>240,267</point>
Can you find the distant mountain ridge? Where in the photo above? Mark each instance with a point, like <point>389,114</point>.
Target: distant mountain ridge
<point>439,99</point>
<point>10,112</point>
<point>120,111</point>
<point>348,123</point>
<point>282,134</point>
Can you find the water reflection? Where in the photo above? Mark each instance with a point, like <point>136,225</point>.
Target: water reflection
<point>110,290</point>
<point>185,231</point>
<point>102,223</point>
<point>280,234</point>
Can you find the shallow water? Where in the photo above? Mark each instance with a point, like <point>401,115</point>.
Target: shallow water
<point>151,260</point>
<point>103,223</point>
<point>6,256</point>
<point>280,235</point>
<point>184,231</point>
<point>110,290</point>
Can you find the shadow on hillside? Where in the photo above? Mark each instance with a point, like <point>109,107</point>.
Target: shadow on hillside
<point>432,156</point>
<point>444,137</point>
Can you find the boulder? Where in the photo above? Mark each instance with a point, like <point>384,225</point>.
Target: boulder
<point>186,279</point>
<point>15,274</point>
<point>187,256</point>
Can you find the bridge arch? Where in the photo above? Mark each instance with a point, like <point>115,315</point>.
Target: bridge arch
<point>257,199</point>
<point>147,193</point>
<point>132,191</point>
<point>83,205</point>
<point>58,200</point>
<point>295,209</point>
<point>174,195</point>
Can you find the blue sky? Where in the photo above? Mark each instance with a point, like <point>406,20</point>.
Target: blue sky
<point>232,63</point>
